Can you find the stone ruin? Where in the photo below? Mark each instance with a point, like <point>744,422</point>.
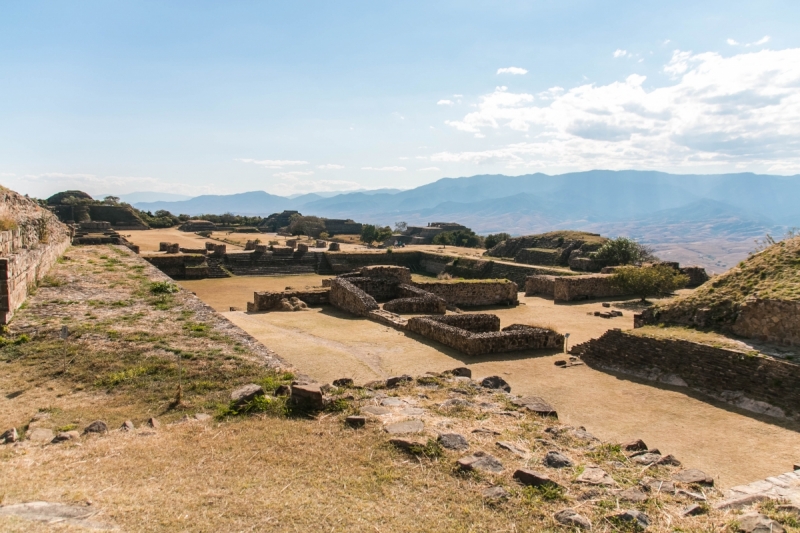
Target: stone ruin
<point>334,247</point>
<point>361,292</point>
<point>99,232</point>
<point>196,225</point>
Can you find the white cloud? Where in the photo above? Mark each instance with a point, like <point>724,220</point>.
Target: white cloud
<point>445,102</point>
<point>293,174</point>
<point>763,40</point>
<point>512,70</point>
<point>426,169</point>
<point>273,163</point>
<point>48,183</point>
<point>458,96</point>
<point>330,166</point>
<point>620,53</point>
<point>666,42</point>
<point>389,169</point>
<point>718,112</point>
<point>292,183</point>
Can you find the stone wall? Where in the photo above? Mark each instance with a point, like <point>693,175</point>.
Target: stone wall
<point>398,274</point>
<point>473,293</point>
<point>28,250</point>
<point>270,301</point>
<point>482,337</point>
<point>346,296</point>
<point>757,383</point>
<point>572,288</point>
<point>425,303</point>
<point>776,321</point>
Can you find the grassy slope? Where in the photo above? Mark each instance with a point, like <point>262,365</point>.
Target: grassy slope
<point>771,274</point>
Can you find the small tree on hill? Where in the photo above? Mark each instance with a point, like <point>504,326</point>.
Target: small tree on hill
<point>623,251</point>
<point>371,233</point>
<point>494,239</point>
<point>400,227</point>
<point>658,280</point>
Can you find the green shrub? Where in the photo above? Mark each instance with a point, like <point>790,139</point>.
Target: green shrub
<point>163,287</point>
<point>649,281</point>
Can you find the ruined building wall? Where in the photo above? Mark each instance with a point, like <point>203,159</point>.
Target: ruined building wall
<point>350,298</point>
<point>726,374</point>
<point>269,301</point>
<point>775,321</point>
<point>572,288</point>
<point>27,250</point>
<point>473,293</point>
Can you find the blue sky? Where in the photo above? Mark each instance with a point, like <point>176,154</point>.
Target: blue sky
<point>292,97</point>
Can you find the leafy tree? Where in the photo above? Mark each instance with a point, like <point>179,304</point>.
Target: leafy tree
<point>311,226</point>
<point>623,251</point>
<point>400,227</point>
<point>465,238</point>
<point>494,239</point>
<point>371,233</point>
<point>654,280</point>
<point>111,200</point>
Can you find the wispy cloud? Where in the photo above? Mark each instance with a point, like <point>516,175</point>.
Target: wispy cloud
<point>293,183</point>
<point>273,163</point>
<point>620,53</point>
<point>445,102</point>
<point>330,166</point>
<point>718,111</point>
<point>763,40</point>
<point>293,174</point>
<point>387,169</point>
<point>427,169</point>
<point>512,70</point>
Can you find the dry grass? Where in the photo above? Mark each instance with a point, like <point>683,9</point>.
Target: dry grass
<point>709,338</point>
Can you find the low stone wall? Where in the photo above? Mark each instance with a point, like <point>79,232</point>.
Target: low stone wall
<point>411,300</point>
<point>28,251</point>
<point>346,296</point>
<point>541,256</point>
<point>180,266</point>
<point>757,383</point>
<point>697,275</point>
<point>200,251</point>
<point>270,301</point>
<point>776,321</point>
<point>473,293</point>
<point>475,334</point>
<point>572,288</point>
<point>397,274</point>
<point>382,290</point>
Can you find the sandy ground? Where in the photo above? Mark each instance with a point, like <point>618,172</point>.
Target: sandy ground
<point>148,239</point>
<point>733,445</point>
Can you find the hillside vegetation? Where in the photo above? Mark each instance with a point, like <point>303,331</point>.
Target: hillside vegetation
<point>772,274</point>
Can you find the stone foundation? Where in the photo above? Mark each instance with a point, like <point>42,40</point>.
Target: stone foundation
<point>271,301</point>
<point>756,383</point>
<point>347,297</point>
<point>572,288</point>
<point>473,293</point>
<point>478,334</point>
<point>776,321</point>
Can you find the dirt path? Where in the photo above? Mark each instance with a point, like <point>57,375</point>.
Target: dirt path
<point>327,344</point>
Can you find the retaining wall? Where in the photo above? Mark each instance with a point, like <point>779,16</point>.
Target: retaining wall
<point>473,293</point>
<point>28,251</point>
<point>775,321</point>
<point>751,382</point>
<point>572,288</point>
<point>270,301</point>
<point>350,298</point>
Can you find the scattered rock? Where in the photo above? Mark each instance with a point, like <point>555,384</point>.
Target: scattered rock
<point>462,371</point>
<point>571,518</point>
<point>634,446</point>
<point>397,380</point>
<point>668,460</point>
<point>555,459</point>
<point>637,517</point>
<point>655,451</point>
<point>480,461</point>
<point>593,475</point>
<point>691,495</point>
<point>657,485</point>
<point>407,426</point>
<point>633,494</point>
<point>456,402</point>
<point>409,445</point>
<point>517,450</point>
<point>343,382</point>
<point>392,402</point>
<point>246,393</point>
<point>495,382</point>
<point>375,410</point>
<point>356,421</point>
<point>202,416</point>
<point>794,509</point>
<point>153,423</point>
<point>560,362</point>
<point>693,510</point>
<point>127,426</point>
<point>377,384</point>
<point>64,436</point>
<point>646,458</point>
<point>37,418</point>
<point>9,436</point>
<point>606,304</point>
<point>741,503</point>
<point>98,426</point>
<point>693,475</point>
<point>533,479</point>
<point>308,393</point>
<point>453,441</point>
<point>591,494</point>
<point>536,405</point>
<point>488,431</point>
<point>283,390</point>
<point>40,435</point>
<point>581,433</point>
<point>495,493</point>
<point>758,523</point>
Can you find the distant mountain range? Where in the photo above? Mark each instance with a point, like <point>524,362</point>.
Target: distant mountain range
<point>668,211</point>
